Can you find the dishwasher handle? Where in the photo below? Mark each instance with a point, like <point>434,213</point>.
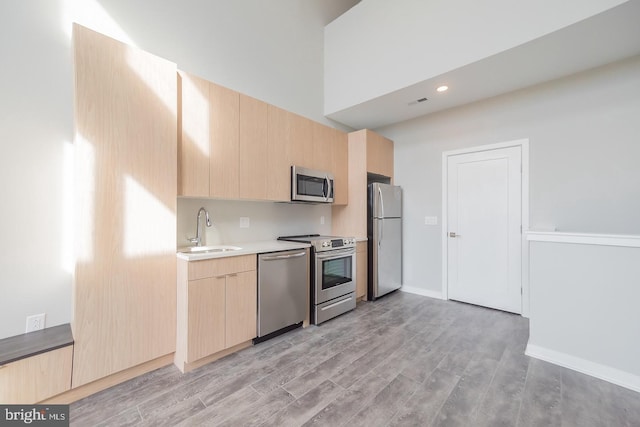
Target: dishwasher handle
<point>277,257</point>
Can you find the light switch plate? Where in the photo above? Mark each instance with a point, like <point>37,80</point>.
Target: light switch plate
<point>244,222</point>
<point>430,220</point>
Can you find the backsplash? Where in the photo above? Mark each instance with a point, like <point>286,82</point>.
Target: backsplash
<point>267,220</point>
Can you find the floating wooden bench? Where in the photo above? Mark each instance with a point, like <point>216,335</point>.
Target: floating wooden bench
<point>36,366</point>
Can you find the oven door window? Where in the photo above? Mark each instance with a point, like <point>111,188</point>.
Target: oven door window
<point>336,272</point>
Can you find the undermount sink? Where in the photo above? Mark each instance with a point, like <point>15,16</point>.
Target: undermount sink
<point>208,249</point>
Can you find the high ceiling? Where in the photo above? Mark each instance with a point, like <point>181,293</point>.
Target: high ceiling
<point>604,38</point>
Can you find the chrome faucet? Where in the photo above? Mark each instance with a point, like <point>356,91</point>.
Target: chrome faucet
<point>198,239</point>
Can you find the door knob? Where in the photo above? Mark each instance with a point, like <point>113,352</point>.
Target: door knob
<point>453,234</point>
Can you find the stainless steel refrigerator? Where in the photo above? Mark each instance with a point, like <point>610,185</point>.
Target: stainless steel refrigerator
<point>384,232</point>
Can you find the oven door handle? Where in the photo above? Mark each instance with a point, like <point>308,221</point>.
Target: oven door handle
<point>336,254</point>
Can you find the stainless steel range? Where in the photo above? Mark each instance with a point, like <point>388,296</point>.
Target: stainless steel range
<point>333,275</point>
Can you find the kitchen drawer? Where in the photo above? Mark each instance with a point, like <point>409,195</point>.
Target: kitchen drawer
<point>221,266</point>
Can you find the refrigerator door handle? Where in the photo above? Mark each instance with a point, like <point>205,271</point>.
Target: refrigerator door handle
<point>381,203</point>
<point>380,232</point>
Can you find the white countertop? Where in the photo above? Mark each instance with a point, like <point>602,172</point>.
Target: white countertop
<point>247,249</point>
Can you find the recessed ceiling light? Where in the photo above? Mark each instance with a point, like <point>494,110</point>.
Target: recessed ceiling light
<point>442,88</point>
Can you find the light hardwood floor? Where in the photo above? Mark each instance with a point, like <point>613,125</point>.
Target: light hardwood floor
<point>402,360</point>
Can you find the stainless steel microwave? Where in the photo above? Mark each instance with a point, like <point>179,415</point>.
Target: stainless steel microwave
<point>308,185</point>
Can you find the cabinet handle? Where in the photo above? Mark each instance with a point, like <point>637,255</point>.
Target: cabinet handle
<point>232,274</point>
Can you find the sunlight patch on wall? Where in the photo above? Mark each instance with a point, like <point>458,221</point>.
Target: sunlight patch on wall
<point>85,188</point>
<point>145,218</point>
<point>91,14</point>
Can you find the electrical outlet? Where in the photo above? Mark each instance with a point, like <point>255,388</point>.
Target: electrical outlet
<point>244,222</point>
<point>36,322</point>
<point>322,220</point>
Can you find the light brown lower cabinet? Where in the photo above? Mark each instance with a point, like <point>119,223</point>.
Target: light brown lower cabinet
<point>217,306</point>
<point>206,312</point>
<point>361,270</point>
<point>36,378</point>
<point>241,308</point>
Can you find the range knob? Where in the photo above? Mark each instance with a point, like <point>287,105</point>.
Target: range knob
<point>325,244</point>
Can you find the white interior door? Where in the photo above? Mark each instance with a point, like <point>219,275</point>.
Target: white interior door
<point>484,217</point>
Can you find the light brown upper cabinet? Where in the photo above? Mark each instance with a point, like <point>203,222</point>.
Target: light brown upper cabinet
<point>209,128</point>
<point>126,144</point>
<point>224,157</point>
<point>302,141</point>
<point>253,167</point>
<point>279,153</point>
<point>379,154</point>
<point>193,129</point>
<point>322,147</point>
<point>233,146</point>
<point>330,153</point>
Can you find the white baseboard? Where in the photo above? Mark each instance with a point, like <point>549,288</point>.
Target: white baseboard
<point>423,292</point>
<point>603,372</point>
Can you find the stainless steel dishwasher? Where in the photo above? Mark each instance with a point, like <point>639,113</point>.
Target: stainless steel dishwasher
<point>283,286</point>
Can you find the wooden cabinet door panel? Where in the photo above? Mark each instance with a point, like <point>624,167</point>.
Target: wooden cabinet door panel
<point>224,123</point>
<point>322,147</point>
<point>194,136</point>
<point>339,166</point>
<point>379,154</point>
<point>253,148</point>
<point>124,285</point>
<point>242,300</point>
<point>279,154</point>
<point>206,318</point>
<point>302,141</point>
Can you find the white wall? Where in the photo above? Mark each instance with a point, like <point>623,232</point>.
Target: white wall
<point>381,46</point>
<point>270,50</point>
<point>583,133</point>
<point>267,220</point>
<point>599,285</point>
